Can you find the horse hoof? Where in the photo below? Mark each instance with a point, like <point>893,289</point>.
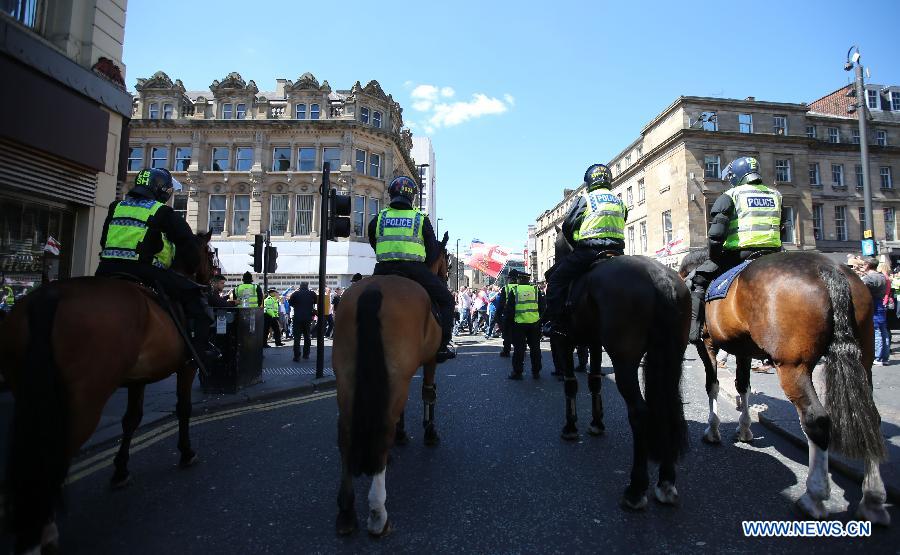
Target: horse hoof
<point>119,482</point>
<point>812,508</point>
<point>744,436</point>
<point>189,461</point>
<point>711,437</point>
<point>666,493</point>
<point>570,433</point>
<point>402,438</point>
<point>346,523</point>
<point>596,430</point>
<point>638,504</point>
<point>877,515</point>
<point>376,528</point>
<point>432,439</point>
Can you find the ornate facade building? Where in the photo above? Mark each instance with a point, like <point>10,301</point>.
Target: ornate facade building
<point>251,162</point>
<point>669,177</point>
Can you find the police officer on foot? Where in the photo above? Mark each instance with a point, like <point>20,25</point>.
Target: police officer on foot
<point>404,244</point>
<point>745,220</point>
<point>503,317</point>
<point>594,224</point>
<point>248,294</point>
<point>526,307</point>
<point>271,317</point>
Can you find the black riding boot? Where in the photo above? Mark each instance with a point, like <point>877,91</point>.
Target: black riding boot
<point>697,312</point>
<point>197,311</point>
<point>446,351</point>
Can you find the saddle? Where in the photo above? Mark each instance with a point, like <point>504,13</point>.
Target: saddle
<point>718,288</point>
<point>576,288</point>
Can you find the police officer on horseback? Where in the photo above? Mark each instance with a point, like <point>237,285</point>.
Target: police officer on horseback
<point>142,237</point>
<point>745,221</point>
<point>595,224</point>
<point>405,244</point>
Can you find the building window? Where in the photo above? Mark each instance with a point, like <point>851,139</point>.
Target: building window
<point>159,157</point>
<point>182,158</point>
<point>135,158</point>
<point>814,175</point>
<point>360,161</point>
<point>837,175</point>
<point>629,198</point>
<point>873,100</point>
<point>359,214</point>
<point>862,221</point>
<point>667,227</point>
<point>25,12</point>
<point>307,159</point>
<point>375,165</point>
<point>168,111</point>
<point>220,159</point>
<point>817,215</point>
<point>303,224</point>
<point>244,159</point>
<point>881,137</point>
<point>642,191</point>
<point>227,110</point>
<point>643,227</point>
<point>779,125</point>
<point>153,110</point>
<point>640,152</point>
<point>855,134</point>
<point>834,135</point>
<point>783,171</point>
<point>333,157</point>
<point>787,232</point>
<point>840,223</point>
<point>179,205</point>
<point>281,160</point>
<point>278,214</point>
<point>631,239</point>
<point>627,160</point>
<point>374,207</point>
<point>710,122</point>
<point>859,176</point>
<point>811,131</point>
<point>376,119</point>
<point>711,167</point>
<point>240,112</point>
<point>300,111</point>
<point>745,122</point>
<point>618,168</point>
<point>217,214</point>
<point>887,181</point>
<point>364,115</point>
<point>889,223</point>
<point>313,111</point>
<point>895,100</point>
<point>240,219</point>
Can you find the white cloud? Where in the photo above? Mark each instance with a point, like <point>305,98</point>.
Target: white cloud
<point>439,111</point>
<point>447,92</point>
<point>425,92</point>
<point>509,99</point>
<point>422,105</point>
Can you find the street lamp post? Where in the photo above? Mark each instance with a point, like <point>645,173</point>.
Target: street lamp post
<point>419,168</point>
<point>861,107</point>
<point>457,265</point>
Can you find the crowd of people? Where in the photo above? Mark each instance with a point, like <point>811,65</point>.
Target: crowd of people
<point>884,285</point>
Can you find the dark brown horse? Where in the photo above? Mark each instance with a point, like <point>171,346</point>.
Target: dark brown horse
<point>373,370</point>
<point>633,307</point>
<point>794,309</point>
<point>66,348</point>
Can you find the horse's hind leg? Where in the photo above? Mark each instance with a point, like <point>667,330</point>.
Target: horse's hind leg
<point>130,422</point>
<point>570,430</point>
<point>742,384</point>
<point>346,519</point>
<point>635,496</point>
<point>429,398</point>
<point>183,410</point>
<point>871,507</point>
<point>595,381</point>
<point>707,357</point>
<point>378,523</point>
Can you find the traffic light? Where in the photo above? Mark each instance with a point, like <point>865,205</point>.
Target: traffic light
<point>257,263</point>
<point>271,259</point>
<point>338,216</point>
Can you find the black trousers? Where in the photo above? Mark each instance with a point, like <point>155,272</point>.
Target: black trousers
<point>271,323</point>
<point>432,284</point>
<point>564,273</point>
<point>526,334</point>
<point>721,263</point>
<point>301,327</point>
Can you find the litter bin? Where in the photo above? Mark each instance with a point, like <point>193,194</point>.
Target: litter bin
<point>240,334</point>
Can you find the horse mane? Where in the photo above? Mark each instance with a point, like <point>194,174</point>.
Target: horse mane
<point>692,260</point>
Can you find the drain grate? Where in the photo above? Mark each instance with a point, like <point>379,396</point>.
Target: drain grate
<point>294,371</point>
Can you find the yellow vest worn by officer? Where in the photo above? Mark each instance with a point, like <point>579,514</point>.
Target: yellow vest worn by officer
<point>604,217</point>
<point>10,296</point>
<point>399,235</point>
<point>757,218</point>
<point>271,307</point>
<point>127,230</point>
<point>244,293</point>
<point>526,304</point>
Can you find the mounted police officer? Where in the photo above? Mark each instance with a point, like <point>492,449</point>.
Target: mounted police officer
<point>526,306</point>
<point>404,244</point>
<point>745,220</point>
<point>595,224</point>
<point>502,314</point>
<point>142,237</point>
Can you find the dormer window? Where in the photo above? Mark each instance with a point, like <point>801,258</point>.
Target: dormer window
<point>241,111</point>
<point>364,115</point>
<point>895,101</point>
<point>313,111</point>
<point>153,110</point>
<point>376,119</point>
<point>168,111</point>
<point>873,100</point>
<point>301,111</point>
<point>227,110</point>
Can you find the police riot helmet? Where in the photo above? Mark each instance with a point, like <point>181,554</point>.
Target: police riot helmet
<point>596,176</point>
<point>742,171</point>
<point>156,183</point>
<point>402,190</point>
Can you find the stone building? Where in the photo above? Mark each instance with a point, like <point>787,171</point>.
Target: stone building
<point>66,112</point>
<point>251,162</point>
<point>669,177</point>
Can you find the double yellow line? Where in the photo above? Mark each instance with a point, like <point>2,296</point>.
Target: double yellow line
<point>104,459</point>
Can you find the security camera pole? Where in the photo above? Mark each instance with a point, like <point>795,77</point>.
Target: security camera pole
<point>861,108</point>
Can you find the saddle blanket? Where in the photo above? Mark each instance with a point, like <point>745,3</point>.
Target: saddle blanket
<point>720,286</point>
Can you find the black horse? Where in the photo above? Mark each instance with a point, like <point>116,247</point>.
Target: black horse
<point>633,306</point>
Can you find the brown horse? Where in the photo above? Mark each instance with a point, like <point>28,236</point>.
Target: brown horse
<point>373,371</point>
<point>795,309</point>
<point>67,347</point>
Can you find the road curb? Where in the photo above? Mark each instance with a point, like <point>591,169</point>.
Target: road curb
<point>848,471</point>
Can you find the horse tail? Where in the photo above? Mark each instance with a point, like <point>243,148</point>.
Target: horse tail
<point>662,373</point>
<point>369,429</point>
<point>856,424</point>
<point>38,457</point>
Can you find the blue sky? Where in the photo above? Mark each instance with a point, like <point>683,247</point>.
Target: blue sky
<point>518,97</point>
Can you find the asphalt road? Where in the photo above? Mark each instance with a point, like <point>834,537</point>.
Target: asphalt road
<point>501,481</point>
